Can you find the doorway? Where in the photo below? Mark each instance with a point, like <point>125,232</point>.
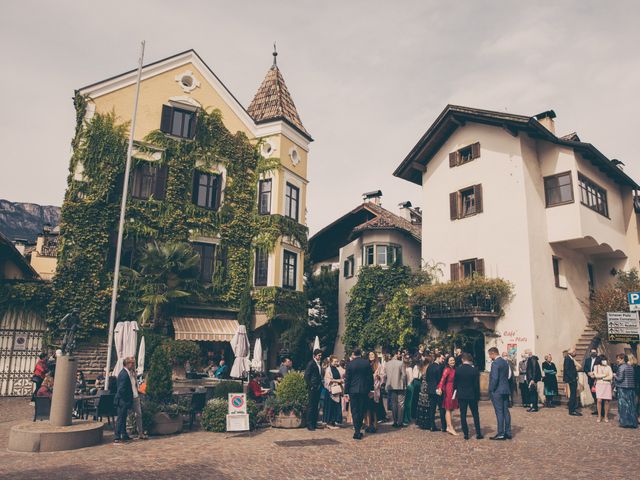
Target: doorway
<point>472,341</point>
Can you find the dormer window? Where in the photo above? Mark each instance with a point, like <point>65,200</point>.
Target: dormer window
<point>178,122</point>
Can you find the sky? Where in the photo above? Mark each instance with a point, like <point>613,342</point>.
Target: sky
<point>368,77</point>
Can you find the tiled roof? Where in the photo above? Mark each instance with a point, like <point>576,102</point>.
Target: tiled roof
<point>273,101</point>
<point>573,137</point>
<point>385,220</point>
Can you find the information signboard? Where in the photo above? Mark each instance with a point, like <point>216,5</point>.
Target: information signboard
<point>623,327</point>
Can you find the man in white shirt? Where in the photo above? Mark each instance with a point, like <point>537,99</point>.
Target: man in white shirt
<point>137,408</point>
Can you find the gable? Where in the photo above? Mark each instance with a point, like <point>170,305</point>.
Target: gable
<point>160,83</point>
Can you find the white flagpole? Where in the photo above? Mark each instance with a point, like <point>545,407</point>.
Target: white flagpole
<point>123,207</point>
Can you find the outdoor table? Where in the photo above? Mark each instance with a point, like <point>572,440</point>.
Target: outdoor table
<point>82,401</point>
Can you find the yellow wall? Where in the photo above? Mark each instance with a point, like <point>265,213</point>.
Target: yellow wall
<point>156,91</point>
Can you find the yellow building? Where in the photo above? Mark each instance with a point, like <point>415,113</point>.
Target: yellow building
<point>172,91</point>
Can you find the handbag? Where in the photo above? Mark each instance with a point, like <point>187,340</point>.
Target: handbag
<point>336,389</point>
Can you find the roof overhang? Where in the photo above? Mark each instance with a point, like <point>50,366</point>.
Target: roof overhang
<point>454,116</point>
<point>8,250</point>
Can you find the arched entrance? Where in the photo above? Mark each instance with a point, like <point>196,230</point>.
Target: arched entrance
<point>472,341</point>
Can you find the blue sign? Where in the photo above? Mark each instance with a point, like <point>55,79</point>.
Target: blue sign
<point>634,301</point>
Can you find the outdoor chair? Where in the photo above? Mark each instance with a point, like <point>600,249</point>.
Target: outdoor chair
<point>42,409</point>
<point>105,407</point>
<point>198,401</point>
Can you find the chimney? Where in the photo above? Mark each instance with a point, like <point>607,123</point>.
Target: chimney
<point>373,197</point>
<point>546,119</point>
<point>405,210</point>
<point>617,163</point>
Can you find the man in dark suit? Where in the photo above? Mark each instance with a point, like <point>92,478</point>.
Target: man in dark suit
<point>587,367</point>
<point>499,392</point>
<point>570,377</point>
<point>313,379</point>
<point>466,384</point>
<point>123,400</point>
<point>358,384</point>
<point>434,374</point>
<point>533,376</point>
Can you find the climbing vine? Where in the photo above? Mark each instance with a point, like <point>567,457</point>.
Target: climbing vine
<point>90,213</point>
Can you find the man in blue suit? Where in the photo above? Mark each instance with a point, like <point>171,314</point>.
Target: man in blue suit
<point>499,392</point>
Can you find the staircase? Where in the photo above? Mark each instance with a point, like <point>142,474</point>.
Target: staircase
<point>582,349</point>
<point>92,359</point>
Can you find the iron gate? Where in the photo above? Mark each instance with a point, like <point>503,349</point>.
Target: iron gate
<point>21,337</point>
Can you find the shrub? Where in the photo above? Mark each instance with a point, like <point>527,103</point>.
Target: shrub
<point>214,415</point>
<point>159,383</point>
<point>181,351</point>
<point>293,388</point>
<point>223,389</point>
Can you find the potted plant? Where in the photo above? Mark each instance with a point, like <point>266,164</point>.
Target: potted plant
<point>288,407</point>
<point>214,415</point>
<point>163,414</point>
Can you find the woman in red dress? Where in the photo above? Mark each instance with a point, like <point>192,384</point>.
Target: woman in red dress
<point>445,388</point>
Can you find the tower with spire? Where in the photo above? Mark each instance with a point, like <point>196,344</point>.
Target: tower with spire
<point>283,190</point>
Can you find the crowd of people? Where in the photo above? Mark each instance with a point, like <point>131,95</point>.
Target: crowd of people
<point>428,388</point>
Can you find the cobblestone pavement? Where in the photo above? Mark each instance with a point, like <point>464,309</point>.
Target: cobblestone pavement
<point>548,444</point>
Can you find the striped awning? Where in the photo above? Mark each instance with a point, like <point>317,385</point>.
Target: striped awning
<point>204,329</point>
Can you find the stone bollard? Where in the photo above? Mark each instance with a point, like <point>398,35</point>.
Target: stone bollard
<point>64,387</point>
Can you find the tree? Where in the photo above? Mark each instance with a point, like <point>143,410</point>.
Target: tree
<point>322,300</point>
<point>379,313</point>
<point>613,298</point>
<point>159,382</point>
<point>168,273</point>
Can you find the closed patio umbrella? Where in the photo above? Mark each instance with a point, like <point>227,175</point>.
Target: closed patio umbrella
<point>126,342</point>
<point>257,363</point>
<point>141,354</point>
<point>316,343</point>
<point>240,347</point>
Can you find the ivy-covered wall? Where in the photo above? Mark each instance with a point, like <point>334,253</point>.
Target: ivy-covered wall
<point>91,206</point>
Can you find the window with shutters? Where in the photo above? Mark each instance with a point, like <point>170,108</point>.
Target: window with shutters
<point>558,189</point>
<point>207,253</point>
<point>465,202</point>
<point>289,270</point>
<point>464,155</point>
<point>149,180</point>
<point>467,268</point>
<point>262,267</point>
<point>593,196</point>
<point>207,190</point>
<point>349,267</point>
<point>291,199</point>
<point>264,197</point>
<point>178,122</point>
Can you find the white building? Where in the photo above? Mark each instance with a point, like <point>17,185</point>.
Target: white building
<point>508,198</point>
<point>367,235</point>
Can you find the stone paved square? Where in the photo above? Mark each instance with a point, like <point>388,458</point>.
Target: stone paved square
<point>548,444</point>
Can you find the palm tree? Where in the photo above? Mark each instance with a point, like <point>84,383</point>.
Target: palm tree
<point>168,272</point>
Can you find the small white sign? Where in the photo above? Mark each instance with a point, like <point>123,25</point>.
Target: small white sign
<point>237,404</point>
<point>237,422</point>
<point>623,327</point>
<point>634,301</point>
<point>20,341</point>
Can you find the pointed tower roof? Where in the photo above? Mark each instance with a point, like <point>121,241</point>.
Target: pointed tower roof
<point>273,100</point>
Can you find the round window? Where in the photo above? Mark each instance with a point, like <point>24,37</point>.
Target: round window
<point>267,149</point>
<point>295,157</point>
<point>187,80</point>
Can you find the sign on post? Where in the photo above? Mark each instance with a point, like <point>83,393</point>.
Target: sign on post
<point>623,327</point>
<point>237,403</point>
<point>634,301</point>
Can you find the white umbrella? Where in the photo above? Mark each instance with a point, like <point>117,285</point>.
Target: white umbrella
<point>257,363</point>
<point>118,337</point>
<point>316,343</point>
<point>141,354</point>
<point>126,342</point>
<point>240,347</point>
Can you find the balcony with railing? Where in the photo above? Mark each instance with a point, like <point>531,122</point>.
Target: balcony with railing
<point>467,298</point>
